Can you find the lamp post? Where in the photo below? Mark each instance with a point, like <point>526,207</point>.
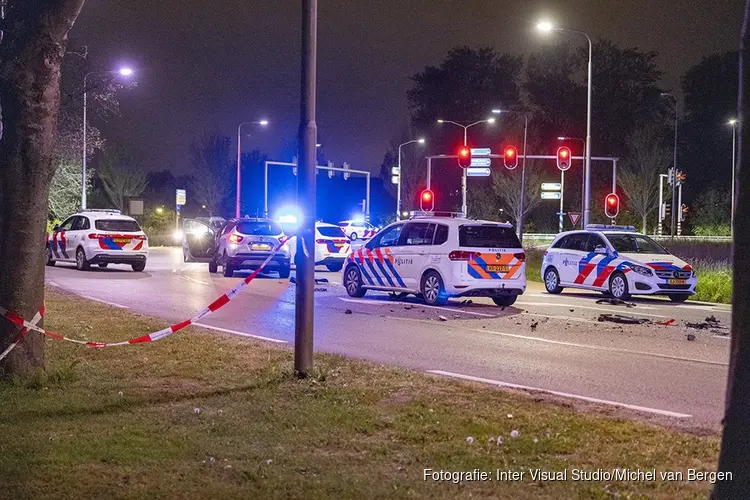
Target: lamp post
<point>123,72</point>
<point>733,123</point>
<point>674,164</point>
<point>400,173</point>
<point>546,27</point>
<point>463,178</point>
<point>519,222</point>
<point>239,161</point>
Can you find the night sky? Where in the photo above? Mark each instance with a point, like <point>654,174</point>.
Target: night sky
<point>208,65</point>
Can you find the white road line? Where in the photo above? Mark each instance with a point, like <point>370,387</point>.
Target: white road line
<point>188,278</point>
<point>563,318</point>
<point>389,303</point>
<point>241,334</point>
<point>113,304</point>
<point>722,337</point>
<point>599,348</point>
<point>497,383</point>
<point>598,309</point>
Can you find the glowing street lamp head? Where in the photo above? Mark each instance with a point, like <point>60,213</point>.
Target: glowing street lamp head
<point>125,71</point>
<point>733,121</point>
<point>544,26</point>
<point>263,122</point>
<point>490,120</point>
<point>440,121</point>
<point>421,140</point>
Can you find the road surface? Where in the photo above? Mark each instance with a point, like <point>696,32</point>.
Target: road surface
<point>544,342</point>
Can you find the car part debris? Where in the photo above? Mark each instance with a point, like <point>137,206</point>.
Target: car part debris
<point>348,311</point>
<point>626,320</point>
<point>442,318</point>
<point>534,325</point>
<point>408,307</point>
<point>615,302</point>
<point>690,337</point>
<point>321,281</point>
<point>666,322</point>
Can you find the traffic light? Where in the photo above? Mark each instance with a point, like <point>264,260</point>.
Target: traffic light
<point>510,157</point>
<point>427,201</point>
<point>464,157</point>
<point>563,158</point>
<point>612,205</point>
<point>670,176</point>
<point>684,209</point>
<point>681,176</point>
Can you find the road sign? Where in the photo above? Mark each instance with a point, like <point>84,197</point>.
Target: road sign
<point>395,171</point>
<point>551,186</point>
<point>478,172</point>
<point>481,151</point>
<point>394,179</point>
<point>181,197</point>
<point>550,195</point>
<point>480,162</point>
<point>574,217</point>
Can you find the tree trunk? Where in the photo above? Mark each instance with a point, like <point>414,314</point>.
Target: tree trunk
<point>735,443</point>
<point>645,216</point>
<point>32,48</point>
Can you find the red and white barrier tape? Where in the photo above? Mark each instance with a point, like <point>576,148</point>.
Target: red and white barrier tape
<point>151,337</point>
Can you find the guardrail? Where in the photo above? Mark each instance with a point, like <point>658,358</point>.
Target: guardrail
<point>552,236</point>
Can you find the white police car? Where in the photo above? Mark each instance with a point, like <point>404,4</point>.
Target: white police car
<point>332,247</point>
<point>99,237</point>
<point>358,229</point>
<point>617,260</point>
<point>438,256</point>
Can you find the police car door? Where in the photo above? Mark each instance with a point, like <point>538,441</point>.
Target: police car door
<point>411,256</point>
<point>59,242</point>
<point>378,256</point>
<point>573,260</point>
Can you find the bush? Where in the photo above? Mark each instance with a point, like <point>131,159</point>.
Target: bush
<point>712,230</point>
<point>708,252</point>
<point>714,282</point>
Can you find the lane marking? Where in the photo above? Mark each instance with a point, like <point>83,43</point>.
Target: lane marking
<point>600,348</point>
<point>509,385</point>
<point>700,306</point>
<point>241,334</point>
<point>722,337</point>
<point>563,318</point>
<point>194,280</point>
<point>391,303</point>
<point>599,309</point>
<point>113,304</point>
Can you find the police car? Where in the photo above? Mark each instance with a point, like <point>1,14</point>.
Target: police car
<point>438,256</point>
<point>616,260</point>
<point>332,247</point>
<point>358,229</point>
<point>98,237</point>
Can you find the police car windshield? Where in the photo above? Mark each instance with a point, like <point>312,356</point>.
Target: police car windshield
<point>487,236</point>
<point>259,228</point>
<point>125,225</point>
<point>331,231</point>
<point>635,243</point>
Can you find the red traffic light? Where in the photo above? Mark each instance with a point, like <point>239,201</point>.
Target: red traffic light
<point>464,157</point>
<point>427,201</point>
<point>612,205</point>
<point>563,158</point>
<point>510,157</point>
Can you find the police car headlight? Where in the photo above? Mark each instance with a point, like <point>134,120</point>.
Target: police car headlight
<point>645,271</point>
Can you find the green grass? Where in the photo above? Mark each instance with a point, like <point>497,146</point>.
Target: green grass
<point>534,257</point>
<point>122,423</point>
<point>714,282</point>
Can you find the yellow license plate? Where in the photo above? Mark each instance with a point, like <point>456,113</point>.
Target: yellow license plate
<point>493,268</point>
<point>677,282</point>
<point>122,240</point>
<point>338,245</point>
<point>260,246</point>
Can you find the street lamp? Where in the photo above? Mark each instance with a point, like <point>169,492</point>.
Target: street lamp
<point>547,27</point>
<point>463,178</point>
<point>398,195</point>
<point>262,123</point>
<point>674,163</point>
<point>733,123</point>
<point>122,72</point>
<point>519,222</point>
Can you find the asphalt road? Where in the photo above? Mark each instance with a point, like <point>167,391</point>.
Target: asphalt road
<point>544,342</point>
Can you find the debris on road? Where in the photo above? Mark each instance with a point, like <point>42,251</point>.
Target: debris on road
<point>615,302</point>
<point>626,320</point>
<point>348,311</point>
<point>320,289</point>
<point>466,302</point>
<point>442,318</point>
<point>710,323</point>
<point>666,322</point>
<point>534,325</point>
<point>571,310</point>
<point>690,337</point>
<point>321,281</point>
<point>408,307</point>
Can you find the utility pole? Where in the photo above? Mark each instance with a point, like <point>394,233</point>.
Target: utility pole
<point>305,258</point>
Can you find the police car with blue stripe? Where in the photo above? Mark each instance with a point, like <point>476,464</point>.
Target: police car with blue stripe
<point>616,260</point>
<point>440,255</point>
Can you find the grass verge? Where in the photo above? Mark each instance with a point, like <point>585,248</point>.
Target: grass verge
<point>200,415</point>
<point>714,282</point>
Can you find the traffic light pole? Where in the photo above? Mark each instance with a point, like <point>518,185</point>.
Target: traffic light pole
<point>305,258</point>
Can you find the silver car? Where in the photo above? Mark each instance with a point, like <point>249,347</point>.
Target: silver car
<point>240,244</point>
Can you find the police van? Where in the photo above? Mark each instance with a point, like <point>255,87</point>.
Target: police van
<point>440,255</point>
<point>615,260</point>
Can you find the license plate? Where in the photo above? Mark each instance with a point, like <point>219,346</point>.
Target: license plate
<point>676,282</point>
<point>494,268</point>
<point>260,246</point>
<point>122,240</point>
<point>338,245</point>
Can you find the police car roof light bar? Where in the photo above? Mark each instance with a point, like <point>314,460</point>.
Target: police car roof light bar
<point>102,210</point>
<point>609,227</point>
<point>415,214</point>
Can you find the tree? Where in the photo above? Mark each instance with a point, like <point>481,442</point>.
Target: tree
<point>735,442</point>
<point>507,186</point>
<point>413,169</point>
<point>648,156</point>
<point>31,51</point>
<point>65,190</point>
<point>121,178</point>
<point>712,210</point>
<point>212,167</point>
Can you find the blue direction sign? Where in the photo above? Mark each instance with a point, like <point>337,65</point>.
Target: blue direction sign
<point>478,172</point>
<point>480,162</point>
<point>481,151</point>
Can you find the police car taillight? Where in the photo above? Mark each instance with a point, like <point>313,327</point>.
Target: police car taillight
<point>322,241</point>
<point>235,238</point>
<point>462,255</point>
<point>520,256</point>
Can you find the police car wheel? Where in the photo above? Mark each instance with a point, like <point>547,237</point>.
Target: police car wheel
<point>505,300</point>
<point>81,263</point>
<point>49,259</point>
<point>139,267</point>
<point>433,291</point>
<point>618,286</point>
<point>678,297</point>
<point>552,281</point>
<point>353,236</point>
<point>353,282</point>
<point>284,272</point>
<point>213,267</point>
